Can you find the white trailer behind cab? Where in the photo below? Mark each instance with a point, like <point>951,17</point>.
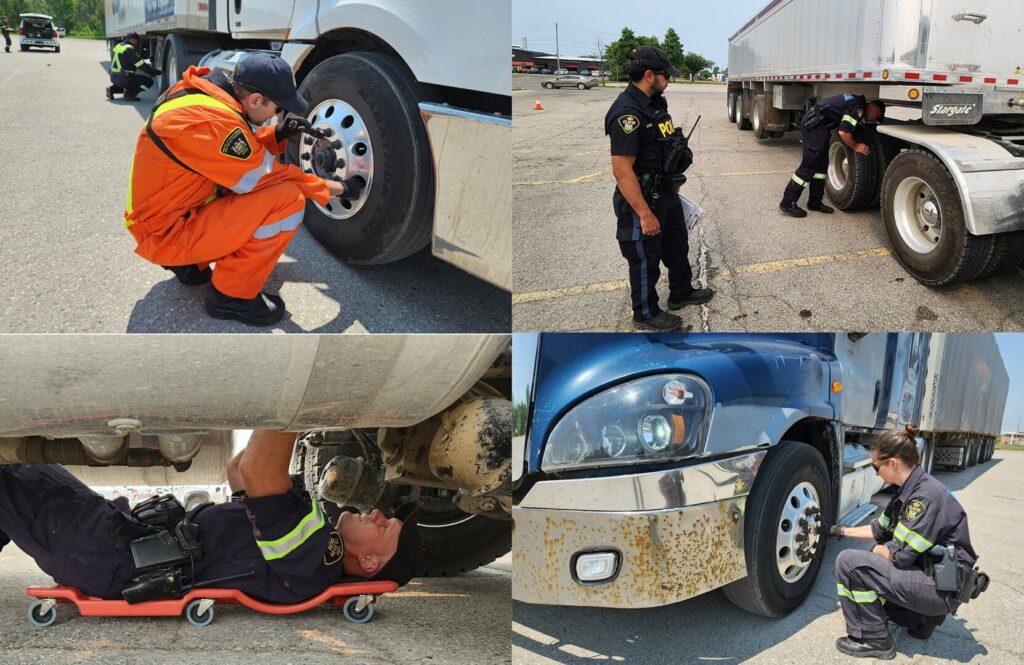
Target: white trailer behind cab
<point>947,166</point>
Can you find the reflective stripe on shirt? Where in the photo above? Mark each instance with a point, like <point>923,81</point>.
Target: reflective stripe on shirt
<point>310,524</point>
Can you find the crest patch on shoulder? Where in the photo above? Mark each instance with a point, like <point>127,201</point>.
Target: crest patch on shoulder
<point>335,549</point>
<point>628,123</point>
<point>916,508</point>
<point>236,145</point>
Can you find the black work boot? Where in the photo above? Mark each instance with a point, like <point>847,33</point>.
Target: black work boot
<point>696,297</point>
<point>881,648</point>
<point>129,97</point>
<point>661,321</point>
<point>110,92</point>
<point>190,275</point>
<point>792,209</point>
<point>263,310</point>
<point>821,207</point>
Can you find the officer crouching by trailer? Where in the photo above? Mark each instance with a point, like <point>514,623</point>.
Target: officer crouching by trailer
<point>922,565</point>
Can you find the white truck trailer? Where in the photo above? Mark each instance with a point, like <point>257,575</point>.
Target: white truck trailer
<point>947,165</point>
<point>419,94</point>
<point>964,399</point>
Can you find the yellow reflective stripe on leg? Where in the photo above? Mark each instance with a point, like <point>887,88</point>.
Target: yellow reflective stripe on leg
<point>820,176</point>
<point>310,524</point>
<point>857,596</point>
<point>915,540</point>
<point>798,180</point>
<point>850,119</point>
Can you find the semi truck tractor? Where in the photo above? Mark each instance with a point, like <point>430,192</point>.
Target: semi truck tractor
<point>648,469</point>
<point>379,419</point>
<point>947,164</point>
<point>417,96</point>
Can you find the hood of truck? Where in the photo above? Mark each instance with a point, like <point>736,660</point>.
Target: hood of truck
<point>760,384</point>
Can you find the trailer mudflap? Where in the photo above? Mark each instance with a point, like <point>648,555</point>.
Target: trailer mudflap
<point>664,556</point>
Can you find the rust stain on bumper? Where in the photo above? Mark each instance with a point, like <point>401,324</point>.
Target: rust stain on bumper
<point>666,555</point>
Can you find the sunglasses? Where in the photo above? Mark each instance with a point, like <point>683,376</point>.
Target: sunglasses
<point>880,464</point>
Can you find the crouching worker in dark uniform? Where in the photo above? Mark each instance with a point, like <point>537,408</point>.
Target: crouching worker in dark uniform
<point>274,544</point>
<point>125,68</point>
<point>844,112</point>
<point>651,228</point>
<point>898,579</point>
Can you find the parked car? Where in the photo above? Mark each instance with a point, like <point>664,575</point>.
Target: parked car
<point>559,72</point>
<point>38,30</point>
<point>60,31</point>
<point>533,70</point>
<point>545,70</point>
<point>583,72</point>
<point>571,81</point>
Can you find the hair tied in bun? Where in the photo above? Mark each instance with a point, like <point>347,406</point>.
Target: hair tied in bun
<point>912,430</point>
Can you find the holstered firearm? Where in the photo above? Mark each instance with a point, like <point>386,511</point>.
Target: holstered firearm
<point>813,117</point>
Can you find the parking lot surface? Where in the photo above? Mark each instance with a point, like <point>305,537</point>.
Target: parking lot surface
<point>709,629</point>
<point>69,264</point>
<point>770,272</point>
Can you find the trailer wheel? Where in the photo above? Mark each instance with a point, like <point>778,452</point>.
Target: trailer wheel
<point>925,222</point>
<point>39,619</point>
<point>730,104</point>
<point>757,118</point>
<point>1007,252</point>
<point>741,122</point>
<point>371,104</point>
<point>851,176</point>
<point>194,617</point>
<point>883,150</point>
<point>783,556</point>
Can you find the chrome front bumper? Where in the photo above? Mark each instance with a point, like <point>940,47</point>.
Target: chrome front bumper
<point>472,155</point>
<point>677,534</point>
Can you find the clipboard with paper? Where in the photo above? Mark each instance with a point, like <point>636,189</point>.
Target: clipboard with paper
<point>691,212</point>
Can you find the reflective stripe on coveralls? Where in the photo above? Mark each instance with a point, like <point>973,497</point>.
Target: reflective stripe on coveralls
<point>905,535</point>
<point>310,524</point>
<point>850,119</point>
<point>858,596</point>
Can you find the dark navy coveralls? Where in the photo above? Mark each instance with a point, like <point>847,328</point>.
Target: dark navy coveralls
<point>68,529</point>
<point>635,122</point>
<point>922,514</point>
<point>843,112</point>
<point>125,65</point>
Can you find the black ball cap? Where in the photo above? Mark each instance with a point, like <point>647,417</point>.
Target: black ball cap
<point>402,566</point>
<point>652,57</point>
<point>270,76</point>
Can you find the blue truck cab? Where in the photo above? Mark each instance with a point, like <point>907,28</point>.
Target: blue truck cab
<point>648,469</point>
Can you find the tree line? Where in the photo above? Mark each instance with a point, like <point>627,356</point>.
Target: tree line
<point>81,18</point>
<point>690,64</point>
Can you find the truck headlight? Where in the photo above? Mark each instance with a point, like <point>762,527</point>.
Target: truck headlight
<point>651,419</point>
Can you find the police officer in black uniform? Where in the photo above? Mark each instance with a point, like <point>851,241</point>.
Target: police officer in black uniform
<point>275,541</point>
<point>844,112</point>
<point>891,582</point>
<point>651,229</point>
<point>125,68</point>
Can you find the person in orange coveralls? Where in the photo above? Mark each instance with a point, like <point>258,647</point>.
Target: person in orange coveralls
<point>206,186</point>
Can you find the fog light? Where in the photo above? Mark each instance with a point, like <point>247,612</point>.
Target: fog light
<point>596,566</point>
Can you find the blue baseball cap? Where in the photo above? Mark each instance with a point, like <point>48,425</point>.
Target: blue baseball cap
<point>270,76</point>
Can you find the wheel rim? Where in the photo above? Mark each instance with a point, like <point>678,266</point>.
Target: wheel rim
<point>755,119</point>
<point>917,214</point>
<point>797,538</point>
<point>346,153</point>
<point>838,166</point>
<point>172,70</point>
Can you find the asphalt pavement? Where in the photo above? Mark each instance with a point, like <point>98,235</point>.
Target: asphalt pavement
<point>709,628</point>
<point>69,264</point>
<point>460,620</point>
<point>770,272</point>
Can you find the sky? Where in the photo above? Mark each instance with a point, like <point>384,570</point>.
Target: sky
<point>1011,346</point>
<point>704,26</point>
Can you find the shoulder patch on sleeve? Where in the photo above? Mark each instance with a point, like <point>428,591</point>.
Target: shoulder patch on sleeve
<point>236,145</point>
<point>916,508</point>
<point>628,123</point>
<point>335,549</point>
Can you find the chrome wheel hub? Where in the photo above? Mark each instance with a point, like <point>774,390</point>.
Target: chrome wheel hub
<point>917,214</point>
<point>798,536</point>
<point>345,152</point>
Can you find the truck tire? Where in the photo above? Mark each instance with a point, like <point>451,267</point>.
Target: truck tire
<point>757,118</point>
<point>851,181</point>
<point>455,542</point>
<point>1007,252</point>
<point>883,149</point>
<point>393,216</point>
<point>730,103</point>
<point>925,222</point>
<point>792,478</point>
<point>741,122</point>
<point>173,62</point>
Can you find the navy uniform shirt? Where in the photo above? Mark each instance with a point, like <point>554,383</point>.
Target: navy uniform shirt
<point>844,112</point>
<point>285,539</point>
<point>922,514</point>
<point>635,122</point>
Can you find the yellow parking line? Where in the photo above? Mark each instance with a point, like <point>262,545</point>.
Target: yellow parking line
<point>571,181</point>
<point>724,273</point>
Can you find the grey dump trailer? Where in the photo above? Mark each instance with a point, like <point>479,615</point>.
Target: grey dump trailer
<point>964,399</point>
<point>947,165</point>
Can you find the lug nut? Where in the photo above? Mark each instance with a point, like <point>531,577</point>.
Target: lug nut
<point>304,155</point>
<point>336,144</point>
<point>327,131</point>
<point>308,140</point>
<point>802,522</point>
<point>340,164</point>
<point>800,537</point>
